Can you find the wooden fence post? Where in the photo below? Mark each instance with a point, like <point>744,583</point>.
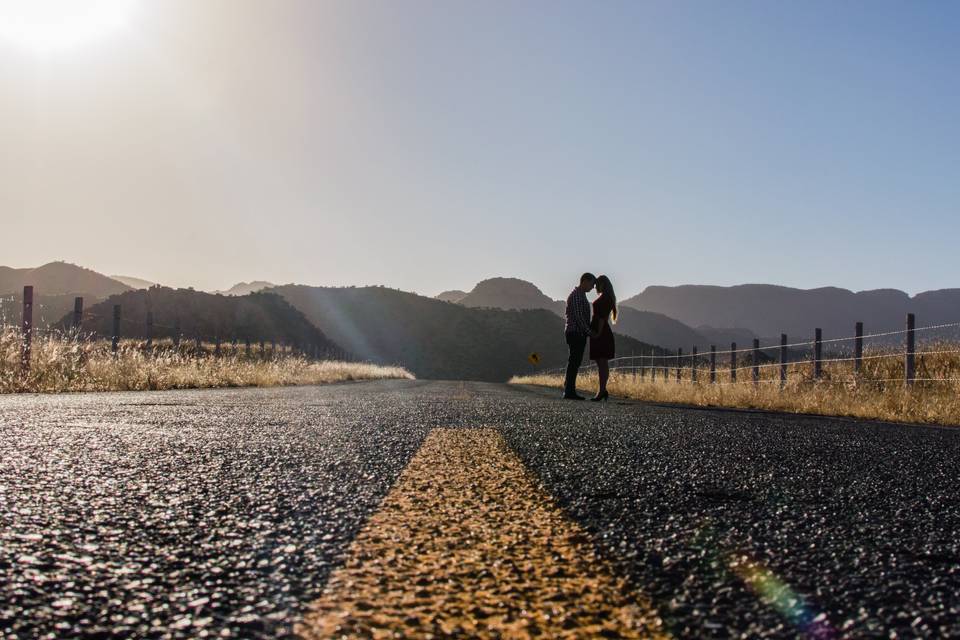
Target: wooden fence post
<point>910,370</point>
<point>679,363</point>
<point>733,362</point>
<point>858,348</point>
<point>149,330</point>
<point>216,345</point>
<point>77,314</point>
<point>713,364</point>
<point>115,343</point>
<point>653,367</point>
<point>247,345</point>
<point>693,367</point>
<point>643,371</point>
<point>783,360</point>
<point>817,353</point>
<point>176,332</point>
<point>197,343</point>
<point>756,361</point>
<point>27,329</point>
<point>633,365</point>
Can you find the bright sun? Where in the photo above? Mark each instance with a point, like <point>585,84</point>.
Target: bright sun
<point>45,26</point>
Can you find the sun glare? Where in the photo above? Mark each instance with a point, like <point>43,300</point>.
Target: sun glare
<point>45,26</point>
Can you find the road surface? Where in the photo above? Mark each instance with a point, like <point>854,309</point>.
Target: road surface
<point>466,508</point>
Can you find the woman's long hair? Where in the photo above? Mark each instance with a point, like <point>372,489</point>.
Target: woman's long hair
<point>606,288</point>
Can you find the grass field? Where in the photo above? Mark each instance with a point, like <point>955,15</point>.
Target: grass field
<point>60,364</point>
<point>878,392</point>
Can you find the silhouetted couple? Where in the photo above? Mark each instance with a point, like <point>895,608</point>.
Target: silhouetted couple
<point>581,327</point>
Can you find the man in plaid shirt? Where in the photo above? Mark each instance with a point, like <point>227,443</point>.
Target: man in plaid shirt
<point>577,331</point>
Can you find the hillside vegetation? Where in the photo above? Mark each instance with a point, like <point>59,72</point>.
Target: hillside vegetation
<point>432,338</point>
<point>258,316</point>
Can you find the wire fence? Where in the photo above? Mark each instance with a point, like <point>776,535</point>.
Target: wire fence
<point>846,359</point>
<point>150,336</point>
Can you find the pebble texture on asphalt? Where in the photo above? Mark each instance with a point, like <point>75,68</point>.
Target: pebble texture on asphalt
<point>756,525</point>
<point>211,513</point>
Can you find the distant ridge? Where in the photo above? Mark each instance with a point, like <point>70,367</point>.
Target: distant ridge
<point>769,310</point>
<point>454,295</point>
<point>134,283</point>
<point>246,288</point>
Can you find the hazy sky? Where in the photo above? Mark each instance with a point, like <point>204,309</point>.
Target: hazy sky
<point>428,145</point>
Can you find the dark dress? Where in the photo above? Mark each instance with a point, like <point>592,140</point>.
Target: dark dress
<point>601,347</point>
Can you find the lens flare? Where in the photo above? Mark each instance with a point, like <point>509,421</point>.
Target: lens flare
<point>778,594</point>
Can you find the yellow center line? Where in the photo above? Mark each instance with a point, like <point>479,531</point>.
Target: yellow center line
<point>467,543</point>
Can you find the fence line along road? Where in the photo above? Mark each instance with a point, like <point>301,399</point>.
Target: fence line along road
<point>75,333</point>
<point>687,366</point>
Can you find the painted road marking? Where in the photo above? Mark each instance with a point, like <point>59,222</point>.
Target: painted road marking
<point>467,543</point>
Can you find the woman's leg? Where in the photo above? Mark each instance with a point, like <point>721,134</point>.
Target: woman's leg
<point>603,369</point>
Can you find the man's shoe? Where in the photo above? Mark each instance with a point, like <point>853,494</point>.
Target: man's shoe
<point>575,396</point>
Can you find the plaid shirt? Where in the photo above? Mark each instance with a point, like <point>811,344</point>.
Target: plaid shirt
<point>578,313</point>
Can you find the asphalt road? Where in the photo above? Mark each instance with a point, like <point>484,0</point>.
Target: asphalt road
<point>222,513</point>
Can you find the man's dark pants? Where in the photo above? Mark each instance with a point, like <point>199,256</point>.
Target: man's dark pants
<point>576,343</point>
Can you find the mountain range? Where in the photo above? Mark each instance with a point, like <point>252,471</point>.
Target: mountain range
<point>769,310</point>
<point>646,326</point>
<point>485,333</point>
<point>434,338</point>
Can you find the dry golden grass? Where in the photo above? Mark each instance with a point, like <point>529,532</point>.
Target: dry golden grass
<point>60,364</point>
<point>877,393</point>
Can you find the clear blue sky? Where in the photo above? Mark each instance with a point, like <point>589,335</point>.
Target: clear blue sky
<point>427,145</point>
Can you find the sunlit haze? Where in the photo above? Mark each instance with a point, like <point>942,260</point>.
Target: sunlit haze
<point>46,26</point>
<point>428,145</point>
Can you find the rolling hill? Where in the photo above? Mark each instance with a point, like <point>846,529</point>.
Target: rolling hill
<point>258,316</point>
<point>55,285</point>
<point>59,278</point>
<point>510,293</point>
<point>432,338</point>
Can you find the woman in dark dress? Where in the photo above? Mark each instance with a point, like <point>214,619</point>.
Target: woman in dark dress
<point>601,340</point>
